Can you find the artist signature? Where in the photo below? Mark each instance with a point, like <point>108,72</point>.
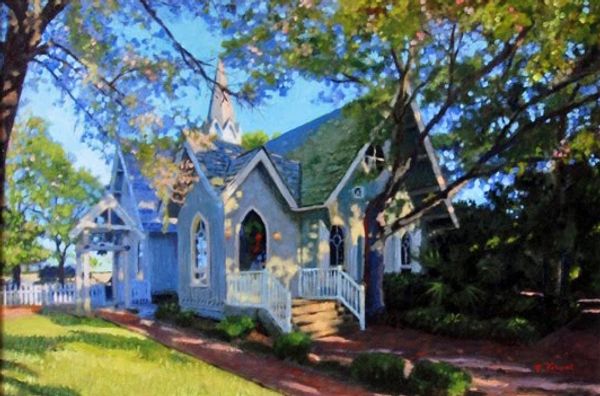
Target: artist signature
<point>551,367</point>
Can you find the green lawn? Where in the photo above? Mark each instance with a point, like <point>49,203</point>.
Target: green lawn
<point>57,354</point>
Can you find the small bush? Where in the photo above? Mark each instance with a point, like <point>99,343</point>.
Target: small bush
<point>294,346</point>
<point>167,311</point>
<point>381,370</point>
<point>233,327</point>
<point>185,318</point>
<point>438,379</point>
<point>513,329</point>
<point>403,291</point>
<point>424,318</point>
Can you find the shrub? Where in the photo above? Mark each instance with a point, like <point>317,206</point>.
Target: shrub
<point>185,318</point>
<point>233,327</point>
<point>167,311</point>
<point>513,329</point>
<point>403,291</point>
<point>438,379</point>
<point>381,370</point>
<point>294,346</point>
<point>424,318</point>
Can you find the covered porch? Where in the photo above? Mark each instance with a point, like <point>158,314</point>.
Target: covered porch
<point>107,229</point>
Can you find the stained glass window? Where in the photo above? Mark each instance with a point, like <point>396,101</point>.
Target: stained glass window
<point>336,246</point>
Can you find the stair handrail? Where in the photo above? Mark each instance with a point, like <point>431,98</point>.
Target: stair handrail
<point>325,283</point>
<point>262,289</point>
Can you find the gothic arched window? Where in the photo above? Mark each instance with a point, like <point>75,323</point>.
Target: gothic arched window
<point>405,258</point>
<point>374,158</point>
<point>336,245</point>
<point>200,265</point>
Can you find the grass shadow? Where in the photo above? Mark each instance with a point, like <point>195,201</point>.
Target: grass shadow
<point>16,367</point>
<point>25,388</point>
<point>65,319</point>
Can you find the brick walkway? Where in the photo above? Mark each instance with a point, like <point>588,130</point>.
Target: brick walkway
<point>270,372</point>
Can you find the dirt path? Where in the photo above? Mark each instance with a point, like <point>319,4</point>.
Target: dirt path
<point>268,371</point>
<point>567,362</point>
<point>16,311</point>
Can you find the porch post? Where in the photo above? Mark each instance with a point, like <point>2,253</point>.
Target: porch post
<point>87,302</point>
<point>126,263</point>
<point>78,279</point>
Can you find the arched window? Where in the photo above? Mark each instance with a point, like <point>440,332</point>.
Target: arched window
<point>374,158</point>
<point>336,246</point>
<point>200,267</point>
<point>405,258</point>
<point>253,243</point>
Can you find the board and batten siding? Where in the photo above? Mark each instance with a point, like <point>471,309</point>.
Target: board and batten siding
<point>161,253</point>
<point>206,300</point>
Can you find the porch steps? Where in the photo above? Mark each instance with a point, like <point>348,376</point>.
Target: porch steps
<point>321,318</point>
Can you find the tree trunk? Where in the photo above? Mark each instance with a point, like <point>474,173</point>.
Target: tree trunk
<point>374,265</point>
<point>12,76</point>
<point>61,270</point>
<point>16,275</point>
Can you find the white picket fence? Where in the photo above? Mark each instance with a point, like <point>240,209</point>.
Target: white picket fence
<point>50,294</point>
<point>334,283</point>
<point>261,289</point>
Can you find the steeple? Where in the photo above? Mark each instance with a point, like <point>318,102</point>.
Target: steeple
<point>221,117</point>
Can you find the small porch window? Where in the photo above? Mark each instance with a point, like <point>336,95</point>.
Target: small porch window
<point>200,264</point>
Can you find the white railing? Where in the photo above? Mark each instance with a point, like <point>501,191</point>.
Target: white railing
<point>140,292</point>
<point>261,289</point>
<point>54,294</point>
<point>334,283</point>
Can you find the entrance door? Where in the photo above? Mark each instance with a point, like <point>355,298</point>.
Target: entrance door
<point>253,243</point>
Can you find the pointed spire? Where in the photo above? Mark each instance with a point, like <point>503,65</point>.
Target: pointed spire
<point>220,103</point>
<point>221,109</point>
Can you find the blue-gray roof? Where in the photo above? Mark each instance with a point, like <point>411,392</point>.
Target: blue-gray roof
<point>148,204</point>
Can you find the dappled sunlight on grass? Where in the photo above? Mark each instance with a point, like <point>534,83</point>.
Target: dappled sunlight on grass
<point>56,354</point>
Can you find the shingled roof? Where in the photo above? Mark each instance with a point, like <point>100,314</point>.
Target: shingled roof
<point>148,205</point>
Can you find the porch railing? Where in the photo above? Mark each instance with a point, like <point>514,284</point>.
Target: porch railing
<point>261,289</point>
<point>140,292</point>
<point>334,283</point>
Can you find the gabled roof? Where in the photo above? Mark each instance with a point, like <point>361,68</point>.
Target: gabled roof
<point>330,147</point>
<point>113,215</point>
<point>148,205</point>
<point>221,161</point>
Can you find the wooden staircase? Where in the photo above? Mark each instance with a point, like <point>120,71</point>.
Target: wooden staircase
<point>321,318</point>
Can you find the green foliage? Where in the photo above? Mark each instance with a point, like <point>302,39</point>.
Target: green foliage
<point>46,194</point>
<point>438,379</point>
<point>436,320</point>
<point>380,370</point>
<point>167,311</point>
<point>404,291</point>
<point>185,318</point>
<point>256,139</point>
<point>294,346</point>
<point>233,327</point>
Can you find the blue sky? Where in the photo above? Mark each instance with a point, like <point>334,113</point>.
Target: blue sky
<point>278,115</point>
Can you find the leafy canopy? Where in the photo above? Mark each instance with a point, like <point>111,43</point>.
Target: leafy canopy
<point>46,192</point>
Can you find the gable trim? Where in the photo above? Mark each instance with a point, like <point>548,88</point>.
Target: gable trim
<point>260,157</point>
<point>203,179</point>
<point>434,164</point>
<point>106,203</point>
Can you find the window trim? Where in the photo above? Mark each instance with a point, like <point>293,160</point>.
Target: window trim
<point>198,218</point>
